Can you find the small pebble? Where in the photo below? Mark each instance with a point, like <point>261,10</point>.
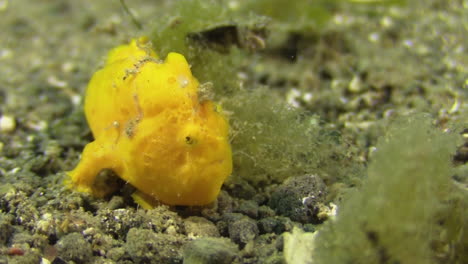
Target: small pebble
<point>243,230</point>
<point>196,226</point>
<point>7,123</point>
<point>249,208</point>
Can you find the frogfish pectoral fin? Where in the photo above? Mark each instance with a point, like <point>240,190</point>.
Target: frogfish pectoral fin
<point>88,177</point>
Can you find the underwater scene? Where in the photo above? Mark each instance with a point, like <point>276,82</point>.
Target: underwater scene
<point>234,131</point>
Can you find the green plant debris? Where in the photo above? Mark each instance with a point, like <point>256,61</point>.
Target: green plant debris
<point>209,34</point>
<point>407,205</point>
<point>297,246</point>
<point>380,2</point>
<point>300,15</point>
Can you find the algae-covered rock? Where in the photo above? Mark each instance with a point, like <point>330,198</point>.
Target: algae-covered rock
<point>209,250</point>
<point>243,230</point>
<point>73,247</point>
<point>276,224</point>
<point>145,246</point>
<point>196,226</point>
<point>6,230</point>
<point>298,198</point>
<point>248,208</point>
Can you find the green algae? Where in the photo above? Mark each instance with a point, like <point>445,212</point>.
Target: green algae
<point>272,141</point>
<point>407,204</point>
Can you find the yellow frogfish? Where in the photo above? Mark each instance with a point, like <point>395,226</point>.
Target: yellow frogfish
<point>152,129</point>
